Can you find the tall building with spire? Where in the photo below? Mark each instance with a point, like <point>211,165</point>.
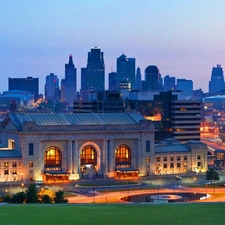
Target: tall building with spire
<point>126,70</point>
<point>68,85</point>
<point>216,83</point>
<point>138,81</point>
<point>93,77</point>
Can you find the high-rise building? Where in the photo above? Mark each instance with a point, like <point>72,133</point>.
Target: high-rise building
<point>93,77</point>
<point>68,85</point>
<point>216,83</point>
<point>152,78</point>
<point>138,82</point>
<point>126,70</point>
<point>112,81</point>
<point>52,91</point>
<point>186,87</point>
<point>29,84</point>
<point>173,116</point>
<point>169,83</point>
<point>185,120</point>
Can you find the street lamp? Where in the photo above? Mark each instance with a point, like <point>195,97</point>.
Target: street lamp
<point>22,186</point>
<point>94,193</point>
<point>195,184</point>
<point>158,193</point>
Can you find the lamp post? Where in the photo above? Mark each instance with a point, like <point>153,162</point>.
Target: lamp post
<point>158,193</point>
<point>94,194</point>
<point>128,189</point>
<point>22,186</point>
<point>195,184</point>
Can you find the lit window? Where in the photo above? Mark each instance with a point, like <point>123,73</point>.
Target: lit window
<point>6,164</point>
<point>31,164</point>
<point>123,155</point>
<point>147,160</point>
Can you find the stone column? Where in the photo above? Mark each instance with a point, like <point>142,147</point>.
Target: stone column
<point>111,157</point>
<point>139,155</point>
<point>69,155</point>
<point>104,163</point>
<point>76,157</point>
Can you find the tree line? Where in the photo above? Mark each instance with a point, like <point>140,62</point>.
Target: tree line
<point>31,195</point>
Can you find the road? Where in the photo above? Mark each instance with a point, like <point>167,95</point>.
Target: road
<point>213,195</point>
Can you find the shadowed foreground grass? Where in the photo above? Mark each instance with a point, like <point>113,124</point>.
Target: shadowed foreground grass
<point>135,214</point>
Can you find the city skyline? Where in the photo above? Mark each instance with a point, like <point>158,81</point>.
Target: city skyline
<point>183,39</point>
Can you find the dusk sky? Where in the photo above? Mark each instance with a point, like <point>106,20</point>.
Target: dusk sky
<point>183,38</point>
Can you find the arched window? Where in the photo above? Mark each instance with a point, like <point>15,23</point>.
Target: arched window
<point>53,157</point>
<point>88,155</point>
<point>123,155</point>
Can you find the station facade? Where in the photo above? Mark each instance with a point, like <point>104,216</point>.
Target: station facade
<point>61,147</point>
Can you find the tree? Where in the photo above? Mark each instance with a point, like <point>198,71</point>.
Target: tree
<point>46,199</point>
<point>211,175</point>
<point>19,197</point>
<point>31,194</point>
<point>6,198</point>
<point>59,198</point>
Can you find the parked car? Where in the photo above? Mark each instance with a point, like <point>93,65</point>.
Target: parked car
<point>38,182</point>
<point>178,178</point>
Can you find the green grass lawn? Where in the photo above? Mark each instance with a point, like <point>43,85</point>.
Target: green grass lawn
<point>127,214</point>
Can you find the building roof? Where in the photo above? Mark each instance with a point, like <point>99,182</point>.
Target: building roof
<point>46,119</point>
<point>10,154</point>
<point>171,148</point>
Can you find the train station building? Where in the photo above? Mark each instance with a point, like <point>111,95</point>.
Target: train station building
<point>61,147</point>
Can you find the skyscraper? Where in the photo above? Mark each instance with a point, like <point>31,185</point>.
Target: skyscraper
<point>186,86</point>
<point>152,78</point>
<point>68,85</point>
<point>112,81</point>
<point>29,84</point>
<point>138,81</point>
<point>126,70</point>
<point>52,91</point>
<point>169,83</point>
<point>93,77</point>
<point>216,83</point>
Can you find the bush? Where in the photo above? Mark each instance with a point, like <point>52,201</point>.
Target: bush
<point>59,198</point>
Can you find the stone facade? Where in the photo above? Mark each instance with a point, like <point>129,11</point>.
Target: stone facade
<point>53,147</point>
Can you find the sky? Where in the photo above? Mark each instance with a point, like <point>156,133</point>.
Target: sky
<point>183,38</point>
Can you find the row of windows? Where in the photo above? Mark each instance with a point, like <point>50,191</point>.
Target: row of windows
<point>8,164</point>
<point>14,164</point>
<point>171,158</point>
<point>13,172</point>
